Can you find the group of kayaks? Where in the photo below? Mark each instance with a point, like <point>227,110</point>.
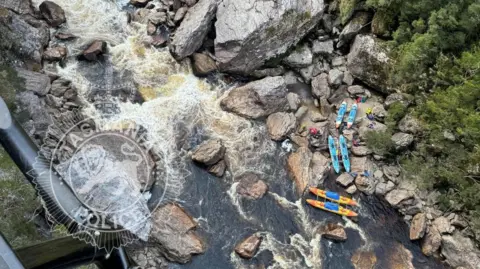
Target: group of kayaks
<point>334,198</point>
<point>332,206</point>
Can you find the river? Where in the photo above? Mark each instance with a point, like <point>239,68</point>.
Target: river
<point>287,223</point>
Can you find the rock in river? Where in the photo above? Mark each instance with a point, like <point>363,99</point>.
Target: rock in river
<point>173,229</point>
<point>250,32</point>
<point>251,185</point>
<point>368,61</point>
<point>190,34</point>
<point>364,260</point>
<point>280,125</point>
<point>418,226</point>
<point>95,50</point>
<point>209,152</point>
<point>298,166</point>
<point>335,232</point>
<point>249,246</point>
<point>52,13</point>
<point>258,98</point>
<point>203,64</point>
<point>431,242</point>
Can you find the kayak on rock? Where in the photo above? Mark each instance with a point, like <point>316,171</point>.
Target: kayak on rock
<point>333,196</point>
<point>344,151</point>
<point>352,115</point>
<point>333,154</point>
<point>332,207</point>
<point>341,113</point>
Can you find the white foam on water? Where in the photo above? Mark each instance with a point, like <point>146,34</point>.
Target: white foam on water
<point>235,198</point>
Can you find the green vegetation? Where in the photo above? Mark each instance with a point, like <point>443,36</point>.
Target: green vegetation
<point>17,205</point>
<point>347,7</point>
<point>380,142</point>
<point>396,112</point>
<point>8,83</point>
<point>436,46</point>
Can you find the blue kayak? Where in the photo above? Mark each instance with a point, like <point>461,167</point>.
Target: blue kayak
<point>352,115</point>
<point>344,151</point>
<point>333,153</point>
<point>341,114</point>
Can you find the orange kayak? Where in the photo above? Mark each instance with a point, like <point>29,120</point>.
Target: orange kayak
<point>332,207</point>
<point>333,196</point>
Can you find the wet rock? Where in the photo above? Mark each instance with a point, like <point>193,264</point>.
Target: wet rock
<point>410,125</point>
<point>139,3</point>
<point>319,165</point>
<point>246,37</point>
<point>335,77</point>
<point>364,260</point>
<point>431,242</point>
<point>323,47</point>
<point>460,251</point>
<point>23,38</point>
<point>249,246</point>
<point>298,167</point>
<point>159,40</point>
<point>353,27</point>
<point>258,98</point>
<point>402,140</point>
<point>95,50</point>
<point>405,99</point>
<point>52,13</point>
<point>70,94</point>
<point>280,125</point>
<point>65,36</point>
<point>36,82</point>
<point>173,230</point>
<point>151,28</point>
<point>300,57</point>
<point>384,187</point>
<point>418,226</point>
<point>293,101</point>
<point>190,34</point>
<point>442,224</point>
<point>55,53</point>
<point>59,87</point>
<point>251,186</point>
<point>218,169</point>
<point>180,14</point>
<point>401,257</point>
<point>345,179</point>
<point>414,209</point>
<point>368,62</point>
<point>320,86</point>
<point>352,189</point>
<point>335,232</point>
<point>209,152</point>
<point>361,151</point>
<point>396,196</point>
<point>203,64</point>
<point>53,101</point>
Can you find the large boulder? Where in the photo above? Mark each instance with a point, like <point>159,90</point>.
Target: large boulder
<point>320,86</point>
<point>410,125</point>
<point>298,166</point>
<point>345,179</point>
<point>359,21</point>
<point>21,37</point>
<point>52,13</point>
<point>364,259</point>
<point>280,125</point>
<point>250,32</point>
<point>249,246</point>
<point>203,64</point>
<point>431,242</point>
<point>400,257</point>
<point>334,232</point>
<point>395,197</point>
<point>300,57</point>
<point>460,251</point>
<point>442,224</point>
<point>402,140</point>
<point>192,31</point>
<point>258,98</point>
<point>418,226</point>
<point>36,82</point>
<point>209,152</point>
<point>251,186</point>
<point>368,61</point>
<point>95,50</point>
<point>318,166</point>
<point>173,230</point>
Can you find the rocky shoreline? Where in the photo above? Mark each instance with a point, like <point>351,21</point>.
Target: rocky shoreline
<point>276,46</point>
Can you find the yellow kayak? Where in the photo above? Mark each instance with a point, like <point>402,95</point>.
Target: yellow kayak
<point>332,207</point>
<point>333,196</point>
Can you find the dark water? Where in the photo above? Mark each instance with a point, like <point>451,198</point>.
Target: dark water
<point>220,223</point>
